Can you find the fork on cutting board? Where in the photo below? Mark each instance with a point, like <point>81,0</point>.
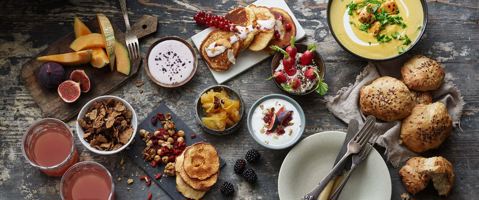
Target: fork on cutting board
<point>131,39</point>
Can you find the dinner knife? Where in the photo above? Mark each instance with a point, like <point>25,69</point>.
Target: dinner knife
<point>353,127</point>
<point>352,130</point>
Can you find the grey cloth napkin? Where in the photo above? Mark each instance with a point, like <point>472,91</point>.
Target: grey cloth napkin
<point>345,106</point>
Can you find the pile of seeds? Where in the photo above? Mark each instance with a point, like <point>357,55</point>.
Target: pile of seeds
<point>107,125</point>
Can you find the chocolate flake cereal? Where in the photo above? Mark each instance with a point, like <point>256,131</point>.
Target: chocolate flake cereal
<point>107,125</point>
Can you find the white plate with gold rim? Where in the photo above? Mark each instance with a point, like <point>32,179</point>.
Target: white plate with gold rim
<point>311,159</point>
<point>248,59</point>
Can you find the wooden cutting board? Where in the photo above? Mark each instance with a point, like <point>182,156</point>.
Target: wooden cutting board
<point>103,81</point>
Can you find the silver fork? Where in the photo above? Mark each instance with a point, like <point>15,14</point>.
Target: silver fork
<point>131,39</point>
<point>354,146</point>
<point>357,159</point>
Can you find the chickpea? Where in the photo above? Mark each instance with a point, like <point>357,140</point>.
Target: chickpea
<point>149,143</point>
<point>158,152</point>
<point>151,153</point>
<point>157,158</point>
<point>165,126</point>
<point>171,132</point>
<point>180,139</point>
<point>160,142</point>
<point>157,133</point>
<point>170,140</point>
<point>171,125</point>
<point>164,159</point>
<point>181,133</point>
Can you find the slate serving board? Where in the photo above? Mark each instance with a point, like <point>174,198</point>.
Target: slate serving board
<point>135,151</point>
<point>103,81</point>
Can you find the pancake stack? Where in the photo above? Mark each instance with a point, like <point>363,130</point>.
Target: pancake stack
<point>197,170</point>
<point>256,28</point>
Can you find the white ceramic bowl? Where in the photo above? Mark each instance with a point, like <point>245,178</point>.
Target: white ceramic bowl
<point>79,130</point>
<point>266,141</point>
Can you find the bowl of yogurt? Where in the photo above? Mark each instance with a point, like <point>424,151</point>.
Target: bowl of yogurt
<point>276,121</point>
<point>171,62</point>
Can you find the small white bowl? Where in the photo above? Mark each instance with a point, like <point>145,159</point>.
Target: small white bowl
<point>79,130</point>
<point>265,140</point>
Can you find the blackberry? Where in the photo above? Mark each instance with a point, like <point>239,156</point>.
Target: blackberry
<point>249,175</point>
<point>227,188</point>
<point>239,166</point>
<point>252,155</point>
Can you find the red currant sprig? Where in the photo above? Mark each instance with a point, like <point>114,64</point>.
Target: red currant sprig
<point>208,19</point>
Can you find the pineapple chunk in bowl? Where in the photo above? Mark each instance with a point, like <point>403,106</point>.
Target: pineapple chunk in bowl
<point>219,110</point>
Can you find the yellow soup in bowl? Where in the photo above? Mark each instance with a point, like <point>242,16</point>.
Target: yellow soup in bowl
<point>376,29</point>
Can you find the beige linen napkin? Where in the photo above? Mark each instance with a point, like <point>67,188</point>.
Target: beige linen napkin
<point>345,106</point>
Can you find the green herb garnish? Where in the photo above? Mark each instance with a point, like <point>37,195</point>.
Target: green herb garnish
<point>383,38</point>
<point>396,35</point>
<point>321,87</point>
<point>287,87</point>
<point>406,40</point>
<point>351,7</point>
<point>364,27</point>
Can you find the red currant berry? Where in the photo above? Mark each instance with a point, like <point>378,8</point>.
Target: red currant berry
<point>276,35</point>
<point>288,27</point>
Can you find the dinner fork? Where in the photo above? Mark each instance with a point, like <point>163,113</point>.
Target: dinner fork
<point>354,147</point>
<point>357,159</point>
<point>131,39</point>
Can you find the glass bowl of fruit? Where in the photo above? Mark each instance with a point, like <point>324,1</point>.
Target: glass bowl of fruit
<point>298,69</point>
<point>219,110</point>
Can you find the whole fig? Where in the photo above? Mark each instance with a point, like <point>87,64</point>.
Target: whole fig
<point>51,74</point>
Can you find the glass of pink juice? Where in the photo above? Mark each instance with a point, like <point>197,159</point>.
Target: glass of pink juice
<point>87,180</point>
<point>49,146</point>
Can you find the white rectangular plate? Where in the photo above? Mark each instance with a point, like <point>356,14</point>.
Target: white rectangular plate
<point>247,59</point>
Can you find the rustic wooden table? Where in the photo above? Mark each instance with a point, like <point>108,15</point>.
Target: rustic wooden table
<point>452,37</point>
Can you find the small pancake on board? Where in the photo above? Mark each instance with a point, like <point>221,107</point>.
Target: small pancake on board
<point>201,161</point>
<point>203,185</point>
<point>285,36</point>
<point>187,191</point>
<point>243,16</point>
<point>262,39</point>
<point>219,62</point>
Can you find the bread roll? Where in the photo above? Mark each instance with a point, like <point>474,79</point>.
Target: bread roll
<point>418,172</point>
<point>413,180</point>
<point>426,128</point>
<point>422,97</point>
<point>421,73</point>
<point>441,172</point>
<point>387,99</point>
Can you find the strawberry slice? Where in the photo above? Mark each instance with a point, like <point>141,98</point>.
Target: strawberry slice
<point>310,73</point>
<point>308,55</point>
<point>279,77</point>
<point>295,83</point>
<point>288,61</point>
<point>291,49</point>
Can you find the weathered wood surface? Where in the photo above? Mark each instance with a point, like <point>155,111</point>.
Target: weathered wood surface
<point>452,37</point>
